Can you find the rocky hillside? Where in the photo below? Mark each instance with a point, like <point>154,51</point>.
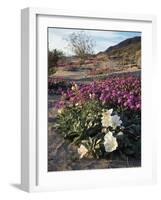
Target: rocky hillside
<point>126,53</point>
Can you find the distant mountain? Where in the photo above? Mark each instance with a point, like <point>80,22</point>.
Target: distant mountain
<point>135,41</point>
<point>127,52</point>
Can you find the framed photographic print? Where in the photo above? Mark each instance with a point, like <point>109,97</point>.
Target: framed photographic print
<point>86,99</point>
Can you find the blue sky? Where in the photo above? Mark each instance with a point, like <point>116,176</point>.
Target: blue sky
<point>102,39</point>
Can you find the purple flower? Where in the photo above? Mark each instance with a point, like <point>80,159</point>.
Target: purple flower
<point>119,91</point>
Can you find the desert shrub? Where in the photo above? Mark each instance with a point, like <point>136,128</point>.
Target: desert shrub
<point>52,70</point>
<point>98,131</point>
<point>53,58</point>
<point>81,45</point>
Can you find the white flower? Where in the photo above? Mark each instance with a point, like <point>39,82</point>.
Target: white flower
<point>110,142</point>
<point>91,96</point>
<point>74,87</point>
<point>107,118</point>
<point>116,121</point>
<point>104,130</point>
<point>90,124</point>
<point>60,110</point>
<point>82,150</point>
<point>120,133</point>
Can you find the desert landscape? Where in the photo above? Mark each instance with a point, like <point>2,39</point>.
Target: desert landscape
<point>123,57</point>
<point>81,86</point>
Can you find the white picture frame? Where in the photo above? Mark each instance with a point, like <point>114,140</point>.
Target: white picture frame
<point>34,176</point>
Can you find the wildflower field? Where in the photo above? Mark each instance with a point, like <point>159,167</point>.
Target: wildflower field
<point>94,99</point>
<point>98,122</point>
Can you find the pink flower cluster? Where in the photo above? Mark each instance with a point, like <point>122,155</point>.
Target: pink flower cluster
<point>124,92</point>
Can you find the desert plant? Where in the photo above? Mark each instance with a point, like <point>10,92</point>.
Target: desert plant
<point>98,131</point>
<point>53,58</point>
<point>81,45</point>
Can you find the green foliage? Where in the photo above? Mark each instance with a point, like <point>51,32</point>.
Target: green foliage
<point>78,123</point>
<point>53,58</point>
<point>130,141</point>
<point>52,70</point>
<point>130,145</point>
<point>81,124</point>
<point>94,146</point>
